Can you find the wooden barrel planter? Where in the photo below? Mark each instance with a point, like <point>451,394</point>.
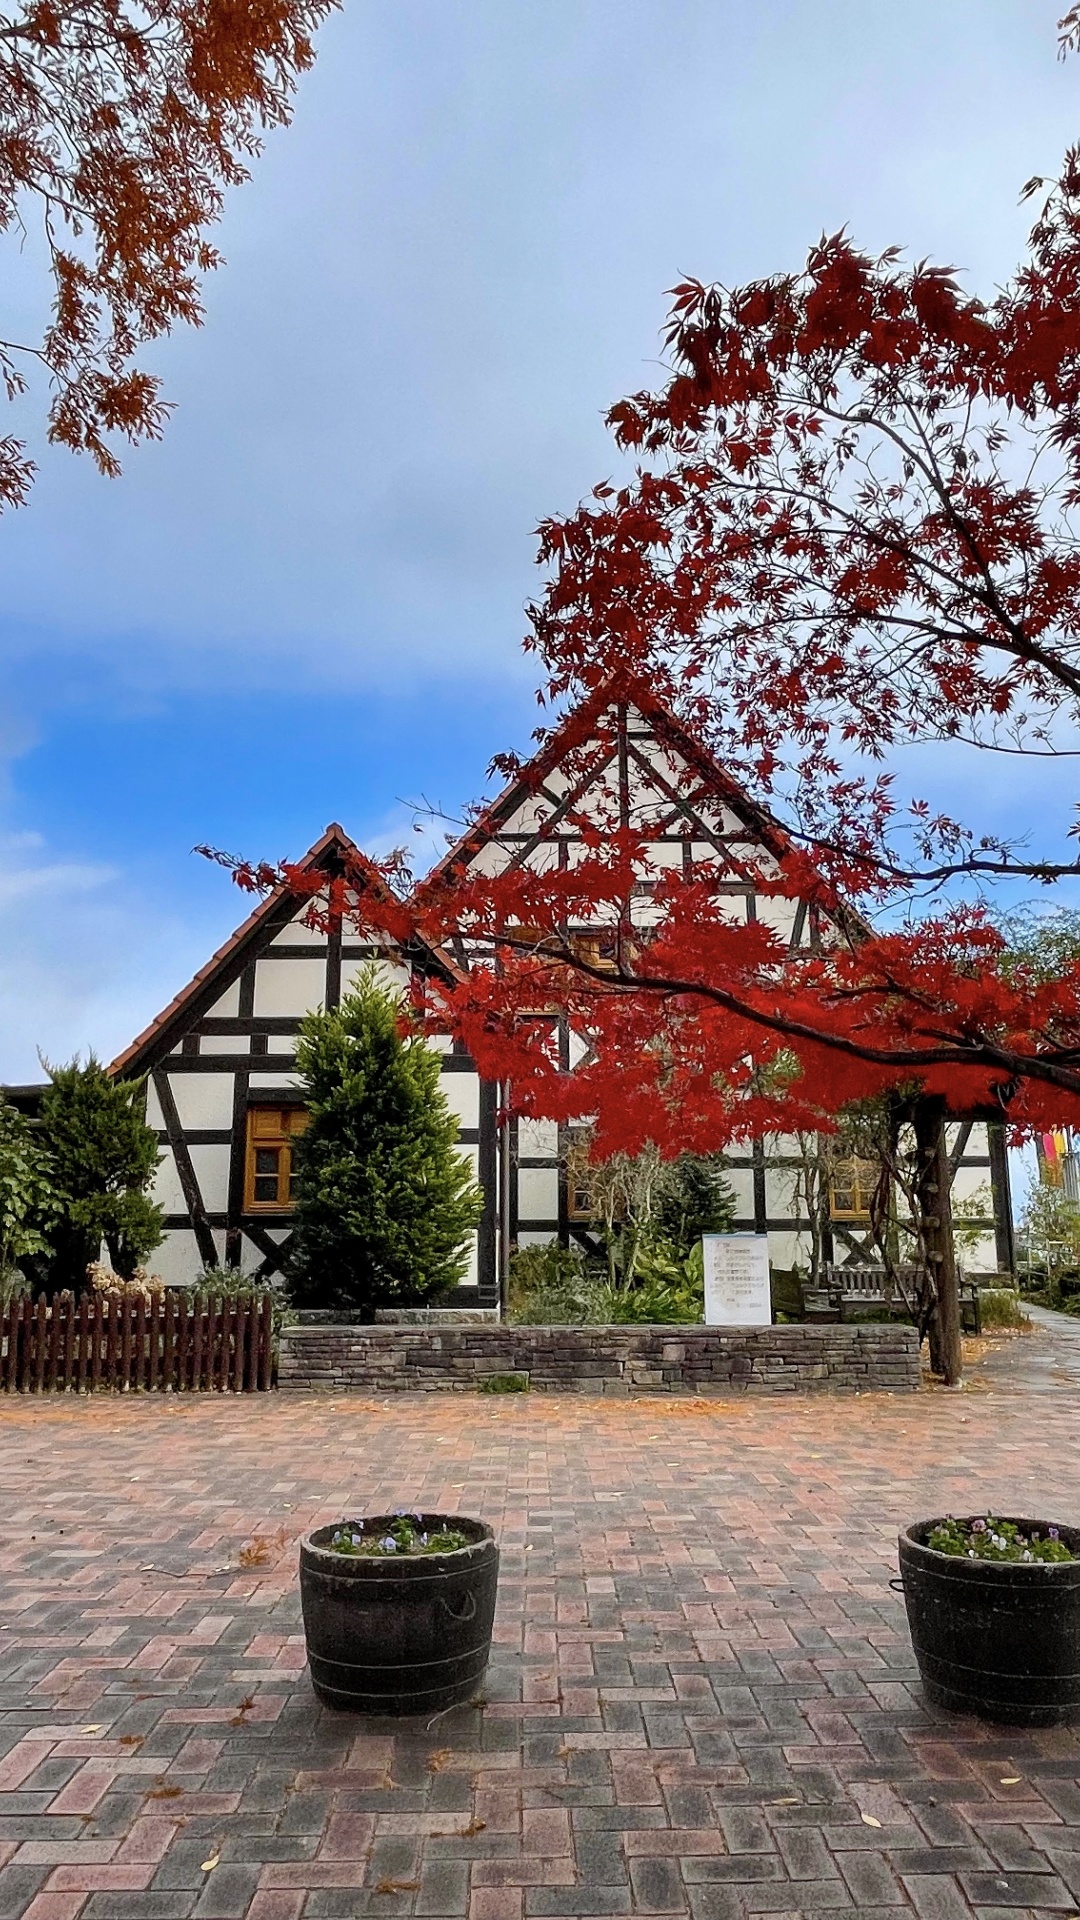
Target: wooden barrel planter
<point>402,1634</point>
<point>997,1639</point>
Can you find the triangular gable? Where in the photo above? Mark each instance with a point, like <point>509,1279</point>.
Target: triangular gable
<point>331,853</point>
<point>536,796</point>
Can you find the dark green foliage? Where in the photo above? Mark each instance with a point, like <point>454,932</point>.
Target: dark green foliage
<point>503,1383</point>
<point>103,1158</point>
<point>28,1205</point>
<point>695,1198</point>
<point>384,1200</point>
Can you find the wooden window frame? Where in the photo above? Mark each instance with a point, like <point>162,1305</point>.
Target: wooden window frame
<point>271,1128</point>
<point>861,1183</point>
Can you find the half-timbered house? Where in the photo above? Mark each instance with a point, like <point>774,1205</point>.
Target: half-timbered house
<point>219,1061</point>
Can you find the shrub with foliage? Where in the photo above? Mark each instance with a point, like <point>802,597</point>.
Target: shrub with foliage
<point>384,1200</point>
<point>646,1268</point>
<point>1049,1248</point>
<point>28,1204</point>
<point>103,1158</point>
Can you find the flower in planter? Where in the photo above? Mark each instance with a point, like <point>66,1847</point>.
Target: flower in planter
<point>405,1534</point>
<point>990,1539</point>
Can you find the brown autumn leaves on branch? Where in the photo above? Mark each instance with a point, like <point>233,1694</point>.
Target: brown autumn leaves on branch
<point>121,126</point>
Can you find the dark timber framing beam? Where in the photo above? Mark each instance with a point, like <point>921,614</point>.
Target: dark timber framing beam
<point>189,1184</point>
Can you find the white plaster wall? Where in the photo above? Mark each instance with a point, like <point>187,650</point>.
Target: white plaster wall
<point>777,913</point>
<point>741,1182</point>
<point>296,934</point>
<point>289,986</point>
<point>166,1189</point>
<point>780,1192</point>
<point>211,1169</point>
<point>969,1181</point>
<point>225,1043</point>
<point>538,1139</point>
<point>203,1099</point>
<point>273,1082</point>
<point>390,973</point>
<point>462,1092</point>
<point>177,1259</point>
<point>471,1276</point>
<point>228,1007</point>
<point>787,1250</point>
<point>538,1193</point>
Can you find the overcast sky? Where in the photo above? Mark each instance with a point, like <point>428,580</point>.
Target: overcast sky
<point>306,603</point>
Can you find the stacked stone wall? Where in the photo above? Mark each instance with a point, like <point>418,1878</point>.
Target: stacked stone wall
<point>609,1360</point>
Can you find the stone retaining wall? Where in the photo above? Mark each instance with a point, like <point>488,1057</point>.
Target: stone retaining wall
<point>610,1360</point>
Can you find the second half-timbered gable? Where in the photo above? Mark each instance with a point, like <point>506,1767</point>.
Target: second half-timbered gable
<point>622,761</point>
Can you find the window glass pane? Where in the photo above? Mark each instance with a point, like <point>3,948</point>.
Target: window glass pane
<point>266,1189</point>
<point>266,1160</point>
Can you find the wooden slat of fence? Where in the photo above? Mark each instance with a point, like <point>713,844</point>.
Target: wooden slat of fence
<point>56,1322</point>
<point>41,1336</point>
<point>138,1347</point>
<point>84,1340</point>
<point>194,1377</point>
<point>11,1322</point>
<point>167,1380</point>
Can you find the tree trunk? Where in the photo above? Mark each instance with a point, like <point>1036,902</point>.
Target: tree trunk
<point>933,1183</point>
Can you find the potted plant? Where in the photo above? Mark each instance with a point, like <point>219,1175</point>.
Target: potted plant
<point>993,1606</point>
<point>398,1610</point>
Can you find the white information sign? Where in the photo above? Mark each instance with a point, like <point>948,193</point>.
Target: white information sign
<point>737,1292</point>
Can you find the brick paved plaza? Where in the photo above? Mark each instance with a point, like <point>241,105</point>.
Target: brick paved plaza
<point>702,1699</point>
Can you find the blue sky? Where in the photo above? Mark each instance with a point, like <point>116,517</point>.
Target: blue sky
<point>306,602</point>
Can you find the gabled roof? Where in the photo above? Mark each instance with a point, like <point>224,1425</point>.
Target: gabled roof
<point>573,730</point>
<point>330,852</point>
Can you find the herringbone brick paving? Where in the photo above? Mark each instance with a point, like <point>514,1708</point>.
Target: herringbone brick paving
<point>702,1700</point>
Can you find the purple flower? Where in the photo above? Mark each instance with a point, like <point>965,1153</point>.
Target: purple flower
<point>388,1543</point>
<point>978,1526</point>
<point>1052,1533</point>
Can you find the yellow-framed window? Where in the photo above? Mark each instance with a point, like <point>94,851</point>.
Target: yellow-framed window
<point>852,1184</point>
<point>268,1172</point>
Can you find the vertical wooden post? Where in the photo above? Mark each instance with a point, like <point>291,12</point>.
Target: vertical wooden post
<point>251,1377</point>
<point>15,1346</point>
<point>101,1326</point>
<point>71,1326</point>
<point>241,1310</point>
<point>56,1321</point>
<point>138,1369</point>
<point>266,1344</point>
<point>197,1342</point>
<point>153,1343</point>
<point>168,1355</point>
<point>110,1307</point>
<point>7,1330</point>
<point>933,1182</point>
<point>41,1343</point>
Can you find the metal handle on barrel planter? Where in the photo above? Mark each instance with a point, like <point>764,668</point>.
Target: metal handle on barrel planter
<point>468,1609</point>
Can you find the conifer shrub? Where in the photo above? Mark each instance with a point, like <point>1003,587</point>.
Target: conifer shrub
<point>102,1158</point>
<point>384,1201</point>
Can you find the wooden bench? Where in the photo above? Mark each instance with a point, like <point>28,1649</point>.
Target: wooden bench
<point>848,1290</point>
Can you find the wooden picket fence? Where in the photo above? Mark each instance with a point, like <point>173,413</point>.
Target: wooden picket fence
<point>111,1343</point>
